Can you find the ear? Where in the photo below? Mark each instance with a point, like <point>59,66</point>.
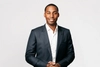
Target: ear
<point>44,14</point>
<point>58,14</point>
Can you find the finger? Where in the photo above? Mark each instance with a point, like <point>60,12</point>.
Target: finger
<point>49,62</point>
<point>47,65</point>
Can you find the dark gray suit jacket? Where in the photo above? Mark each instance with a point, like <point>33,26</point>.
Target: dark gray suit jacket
<point>38,51</point>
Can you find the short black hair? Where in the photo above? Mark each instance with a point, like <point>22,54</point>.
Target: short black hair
<point>51,4</point>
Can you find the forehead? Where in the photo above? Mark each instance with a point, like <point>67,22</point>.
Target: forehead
<point>51,8</point>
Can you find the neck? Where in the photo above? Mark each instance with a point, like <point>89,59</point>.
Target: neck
<point>53,27</point>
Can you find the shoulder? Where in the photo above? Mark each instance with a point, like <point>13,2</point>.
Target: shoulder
<point>39,28</point>
<point>63,29</point>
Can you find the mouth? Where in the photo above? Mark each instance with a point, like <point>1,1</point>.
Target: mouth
<point>51,20</point>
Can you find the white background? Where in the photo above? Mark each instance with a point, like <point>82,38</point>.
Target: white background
<point>18,17</point>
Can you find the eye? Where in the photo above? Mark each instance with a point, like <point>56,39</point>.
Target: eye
<point>48,12</point>
<point>55,12</point>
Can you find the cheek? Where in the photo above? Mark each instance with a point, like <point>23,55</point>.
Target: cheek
<point>56,17</point>
<point>47,17</point>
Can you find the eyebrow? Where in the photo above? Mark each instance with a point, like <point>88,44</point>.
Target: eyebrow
<point>49,11</point>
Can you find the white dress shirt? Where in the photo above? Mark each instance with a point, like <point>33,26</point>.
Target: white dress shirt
<point>53,40</point>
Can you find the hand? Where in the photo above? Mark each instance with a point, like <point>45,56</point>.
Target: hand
<point>50,64</point>
<point>57,65</point>
<point>53,64</point>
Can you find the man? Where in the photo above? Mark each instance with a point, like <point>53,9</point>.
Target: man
<point>50,45</point>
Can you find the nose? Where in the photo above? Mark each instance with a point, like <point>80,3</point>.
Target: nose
<point>51,15</point>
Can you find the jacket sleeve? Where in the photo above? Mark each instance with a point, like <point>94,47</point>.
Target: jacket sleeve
<point>70,52</point>
<point>30,55</point>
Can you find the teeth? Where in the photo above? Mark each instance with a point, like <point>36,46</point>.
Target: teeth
<point>51,19</point>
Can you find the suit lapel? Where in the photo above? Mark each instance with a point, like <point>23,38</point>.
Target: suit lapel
<point>60,35</point>
<point>46,39</point>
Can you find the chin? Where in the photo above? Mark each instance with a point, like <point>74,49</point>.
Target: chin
<point>51,23</point>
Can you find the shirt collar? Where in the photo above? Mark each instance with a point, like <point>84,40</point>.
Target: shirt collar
<point>48,28</point>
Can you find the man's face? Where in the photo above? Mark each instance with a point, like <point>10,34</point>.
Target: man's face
<point>51,14</point>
